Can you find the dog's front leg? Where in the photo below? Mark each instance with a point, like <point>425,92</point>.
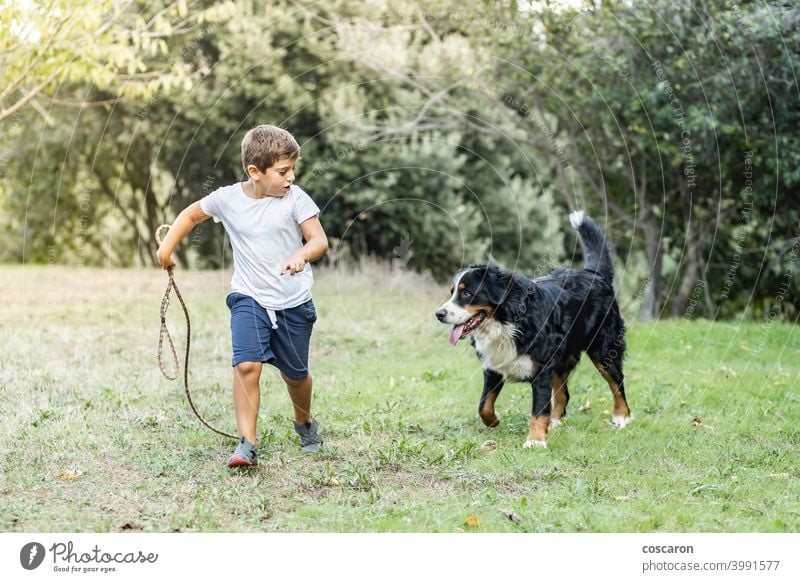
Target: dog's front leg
<point>542,387</point>
<point>492,384</point>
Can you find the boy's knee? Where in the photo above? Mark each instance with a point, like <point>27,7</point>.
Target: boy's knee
<point>248,368</point>
<point>296,382</point>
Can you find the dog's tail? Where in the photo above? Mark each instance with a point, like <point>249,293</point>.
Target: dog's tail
<point>596,252</point>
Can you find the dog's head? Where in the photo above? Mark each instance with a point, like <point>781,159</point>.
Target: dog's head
<point>475,294</point>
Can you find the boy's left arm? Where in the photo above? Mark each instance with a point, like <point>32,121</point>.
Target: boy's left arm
<point>316,246</point>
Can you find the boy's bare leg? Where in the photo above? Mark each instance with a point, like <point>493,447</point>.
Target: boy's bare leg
<point>247,397</point>
<point>300,393</point>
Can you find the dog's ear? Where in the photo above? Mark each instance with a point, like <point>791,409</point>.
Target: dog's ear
<point>498,284</point>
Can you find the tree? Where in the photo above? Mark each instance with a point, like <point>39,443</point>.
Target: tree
<point>110,44</point>
<point>673,124</point>
<point>658,106</point>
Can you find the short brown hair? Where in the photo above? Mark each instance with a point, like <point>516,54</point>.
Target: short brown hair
<point>264,145</point>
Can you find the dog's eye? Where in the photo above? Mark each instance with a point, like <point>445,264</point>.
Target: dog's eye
<point>466,294</point>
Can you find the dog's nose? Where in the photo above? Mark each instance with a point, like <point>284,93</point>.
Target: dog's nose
<point>441,314</point>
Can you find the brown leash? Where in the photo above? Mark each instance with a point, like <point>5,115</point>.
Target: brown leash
<point>165,332</point>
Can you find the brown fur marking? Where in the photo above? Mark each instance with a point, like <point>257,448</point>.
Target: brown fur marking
<point>487,413</point>
<point>620,406</point>
<point>538,428</point>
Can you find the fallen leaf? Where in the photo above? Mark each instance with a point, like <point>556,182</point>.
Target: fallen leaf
<point>130,525</point>
<point>69,475</point>
<point>510,515</point>
<point>697,421</point>
<point>472,521</point>
<point>489,446</point>
<point>585,407</point>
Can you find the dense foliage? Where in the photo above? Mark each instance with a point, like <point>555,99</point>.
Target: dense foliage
<point>433,135</point>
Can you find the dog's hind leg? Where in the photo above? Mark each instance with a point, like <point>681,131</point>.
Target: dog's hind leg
<point>606,352</point>
<point>610,367</point>
<point>492,384</point>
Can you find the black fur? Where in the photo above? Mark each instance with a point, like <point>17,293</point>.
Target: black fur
<point>557,317</point>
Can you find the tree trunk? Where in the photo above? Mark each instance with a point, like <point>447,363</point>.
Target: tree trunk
<point>652,237</point>
<point>689,277</point>
<point>702,263</point>
<point>689,259</point>
<point>650,305</point>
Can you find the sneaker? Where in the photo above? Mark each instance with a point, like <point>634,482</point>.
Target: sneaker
<point>310,441</point>
<point>245,455</point>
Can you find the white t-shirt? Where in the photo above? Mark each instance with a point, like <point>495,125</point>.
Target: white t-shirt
<point>264,233</point>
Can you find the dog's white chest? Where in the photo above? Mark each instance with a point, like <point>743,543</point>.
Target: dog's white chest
<point>496,348</point>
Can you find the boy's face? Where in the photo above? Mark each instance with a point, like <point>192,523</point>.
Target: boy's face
<point>277,179</point>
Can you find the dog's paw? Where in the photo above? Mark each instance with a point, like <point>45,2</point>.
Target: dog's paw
<point>555,422</point>
<point>621,421</point>
<point>532,444</point>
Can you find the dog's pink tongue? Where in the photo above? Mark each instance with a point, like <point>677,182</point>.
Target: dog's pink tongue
<point>455,335</point>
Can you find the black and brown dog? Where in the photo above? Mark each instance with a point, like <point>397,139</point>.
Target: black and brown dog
<point>534,330</point>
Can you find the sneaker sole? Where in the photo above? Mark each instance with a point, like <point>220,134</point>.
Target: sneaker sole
<point>240,462</point>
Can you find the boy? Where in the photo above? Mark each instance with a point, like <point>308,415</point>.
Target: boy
<point>272,313</point>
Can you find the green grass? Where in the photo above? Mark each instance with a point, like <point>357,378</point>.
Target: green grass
<point>80,391</point>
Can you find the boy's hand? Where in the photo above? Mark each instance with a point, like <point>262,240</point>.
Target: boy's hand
<point>294,264</point>
<point>165,260</point>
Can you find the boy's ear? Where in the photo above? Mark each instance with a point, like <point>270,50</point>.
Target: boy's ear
<point>253,171</point>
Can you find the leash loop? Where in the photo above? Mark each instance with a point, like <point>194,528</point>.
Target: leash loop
<point>164,332</point>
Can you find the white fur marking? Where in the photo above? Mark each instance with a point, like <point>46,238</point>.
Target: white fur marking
<point>456,315</point>
<point>576,218</point>
<point>621,421</point>
<point>457,282</point>
<point>498,351</point>
<point>537,444</point>
<point>555,423</point>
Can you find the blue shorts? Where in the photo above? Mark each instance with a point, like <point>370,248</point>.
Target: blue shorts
<point>254,340</point>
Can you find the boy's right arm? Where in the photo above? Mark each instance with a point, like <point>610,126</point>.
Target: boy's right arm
<point>183,225</point>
